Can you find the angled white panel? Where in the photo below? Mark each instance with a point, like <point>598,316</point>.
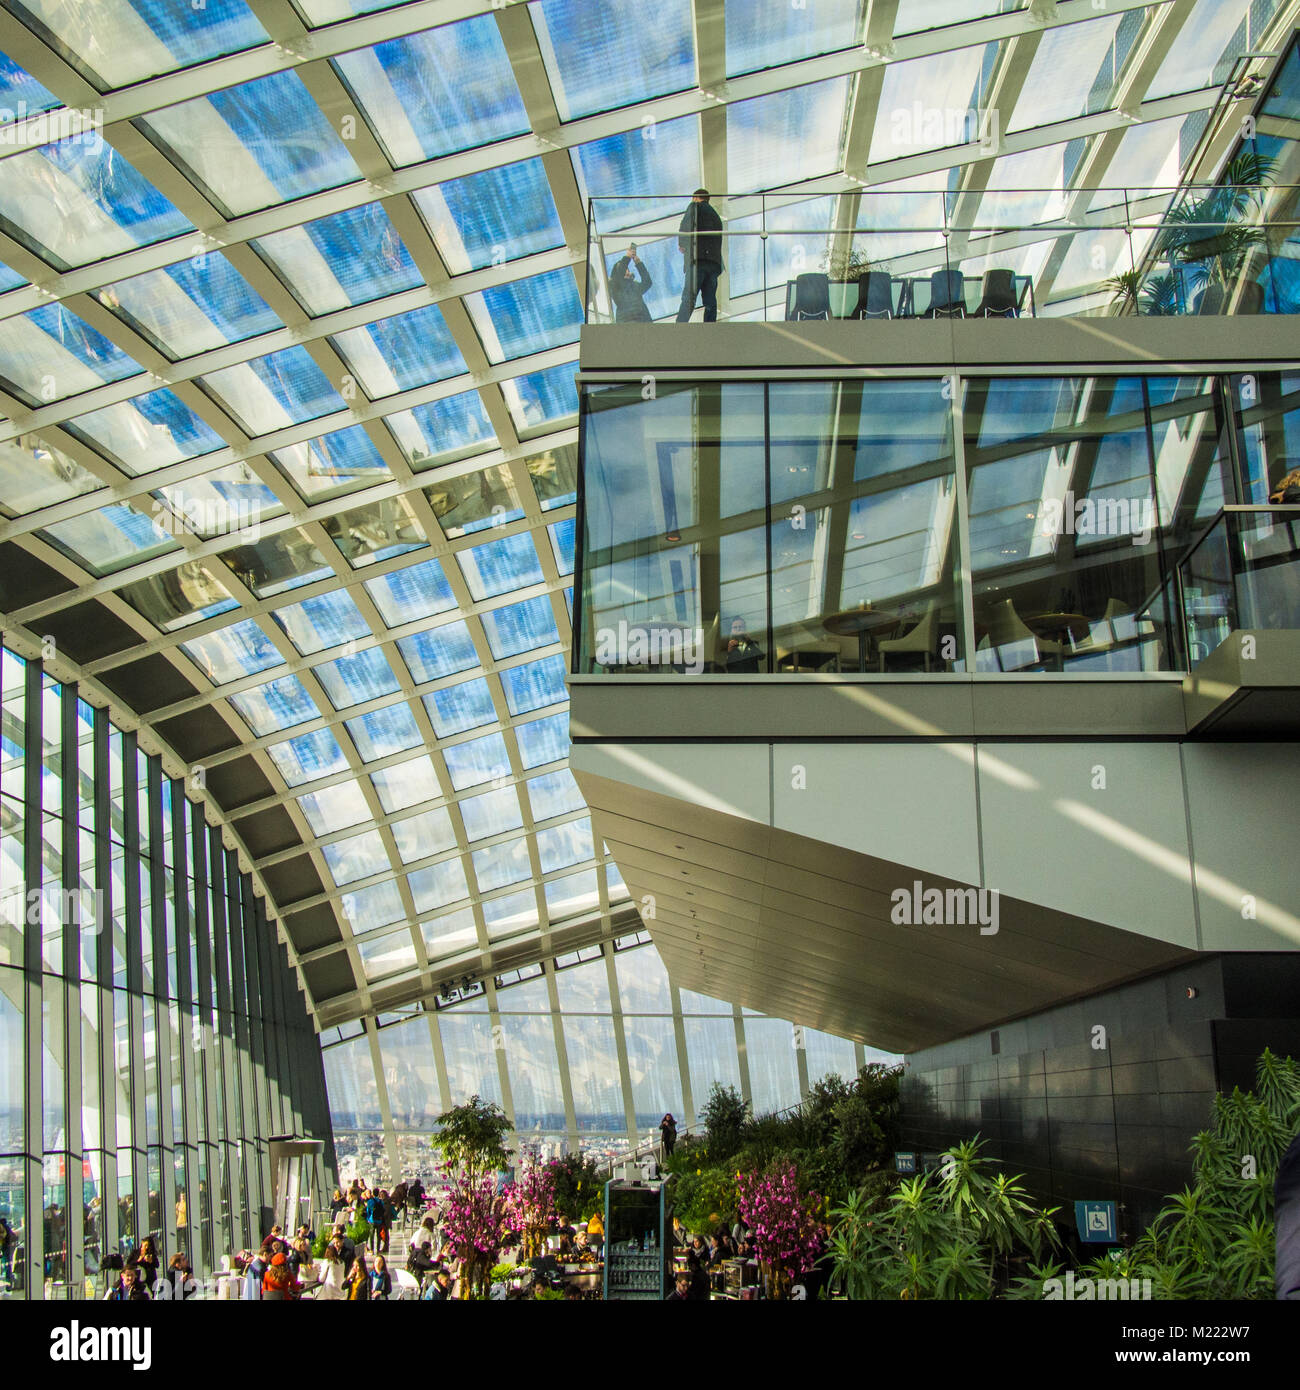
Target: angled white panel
<point>1116,853</point>
<point>912,803</point>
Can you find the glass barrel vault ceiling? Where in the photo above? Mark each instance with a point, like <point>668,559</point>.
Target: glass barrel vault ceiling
<point>290,324</point>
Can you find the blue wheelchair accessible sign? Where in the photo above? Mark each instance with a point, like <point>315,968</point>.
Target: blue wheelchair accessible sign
<point>1096,1221</point>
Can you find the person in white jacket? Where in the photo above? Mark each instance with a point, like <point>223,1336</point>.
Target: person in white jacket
<point>332,1284</point>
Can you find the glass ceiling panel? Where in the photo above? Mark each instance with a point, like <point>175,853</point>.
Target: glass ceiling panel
<point>368,908</point>
<point>10,279</point>
<point>428,833</point>
<point>431,433</point>
<point>351,257</point>
<point>535,685</point>
<point>1195,53</point>
<point>786,136</point>
<point>554,794</point>
<point>554,476</point>
<point>21,93</point>
<point>502,865</point>
<point>385,731</point>
<point>541,398</point>
<point>520,627</point>
<point>382,956</point>
<point>316,624</point>
<point>109,539</point>
<point>147,432</point>
<point>513,912</point>
<point>277,563</point>
<point>1149,156</point>
<point>543,740</point>
<point>334,808</point>
<point>254,145</point>
<point>117,42</point>
<point>667,165</point>
<point>927,104</point>
<point>618,58</point>
<point>491,217</point>
<point>307,757</point>
<point>1064,72</point>
<point>562,536</point>
<point>77,201</point>
<point>466,705</point>
<point>526,316</point>
<point>359,856</point>
<point>500,566</point>
<point>280,704</point>
<point>190,307</point>
<point>450,933</point>
<point>49,353</point>
<point>231,653</point>
<point>405,595</point>
<point>569,895</point>
<point>478,761</point>
<point>565,845</point>
<point>178,597</point>
<point>475,501</point>
<point>442,651</point>
<point>915,16</point>
<point>34,474</point>
<point>223,501</point>
<point>438,885</point>
<point>376,532</point>
<point>494,813</point>
<point>401,352</point>
<point>763,35</point>
<point>332,464</point>
<point>446,89</point>
<point>352,680</point>
<point>268,393</point>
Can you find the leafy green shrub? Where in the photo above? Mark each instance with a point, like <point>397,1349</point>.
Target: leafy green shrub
<point>940,1235</point>
<point>319,1244</point>
<point>360,1230</point>
<point>724,1116</point>
<point>706,1199</point>
<point>545,1295</point>
<point>579,1188</point>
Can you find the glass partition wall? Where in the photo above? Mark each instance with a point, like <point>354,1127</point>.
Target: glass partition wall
<point>939,525</point>
<point>152,1033</point>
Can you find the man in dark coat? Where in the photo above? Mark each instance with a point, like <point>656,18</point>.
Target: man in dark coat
<point>700,242</point>
<point>627,290</point>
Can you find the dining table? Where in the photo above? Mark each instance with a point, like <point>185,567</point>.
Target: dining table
<point>862,622</point>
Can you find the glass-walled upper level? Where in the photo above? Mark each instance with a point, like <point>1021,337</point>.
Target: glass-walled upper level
<point>914,524</point>
<point>930,253</point>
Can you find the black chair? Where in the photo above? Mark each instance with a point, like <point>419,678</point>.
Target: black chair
<point>808,297</point>
<point>947,295</point>
<point>998,298</point>
<point>876,295</point>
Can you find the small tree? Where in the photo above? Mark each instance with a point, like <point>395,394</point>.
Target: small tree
<point>471,1137</point>
<point>724,1115</point>
<point>579,1187</point>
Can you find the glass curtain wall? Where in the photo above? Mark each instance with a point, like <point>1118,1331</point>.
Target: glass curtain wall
<point>152,1033</point>
<point>933,525</point>
<point>585,1052</point>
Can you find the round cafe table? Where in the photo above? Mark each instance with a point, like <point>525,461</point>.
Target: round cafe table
<point>1058,627</point>
<point>860,622</point>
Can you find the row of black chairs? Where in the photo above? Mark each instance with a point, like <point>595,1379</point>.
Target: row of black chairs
<point>808,296</point>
